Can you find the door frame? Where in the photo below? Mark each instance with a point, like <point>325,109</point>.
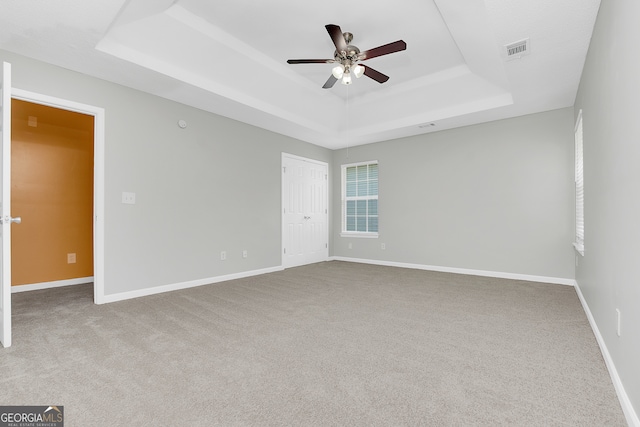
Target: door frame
<point>98,114</point>
<point>282,200</point>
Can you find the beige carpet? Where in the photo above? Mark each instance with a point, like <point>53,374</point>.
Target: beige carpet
<point>330,344</point>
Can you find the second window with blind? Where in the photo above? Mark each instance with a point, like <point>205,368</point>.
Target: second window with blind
<point>579,179</point>
<point>360,199</point>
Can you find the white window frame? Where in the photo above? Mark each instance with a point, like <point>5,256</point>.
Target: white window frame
<point>579,181</point>
<point>361,234</point>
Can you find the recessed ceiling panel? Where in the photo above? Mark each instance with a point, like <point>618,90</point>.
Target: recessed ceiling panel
<point>215,47</point>
<point>291,29</point>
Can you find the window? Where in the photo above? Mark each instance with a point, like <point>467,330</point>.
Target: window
<point>579,159</point>
<point>360,199</point>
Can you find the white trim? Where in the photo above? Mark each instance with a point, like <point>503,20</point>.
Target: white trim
<point>627,408</point>
<point>98,175</point>
<point>579,248</point>
<point>578,118</point>
<point>305,159</point>
<point>359,235</point>
<point>370,162</point>
<point>185,285</point>
<point>484,273</point>
<point>49,285</point>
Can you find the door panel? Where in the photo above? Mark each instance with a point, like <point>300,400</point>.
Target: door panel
<point>5,206</point>
<point>305,213</point>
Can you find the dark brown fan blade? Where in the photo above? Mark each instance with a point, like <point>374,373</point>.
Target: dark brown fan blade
<point>338,38</point>
<point>386,49</point>
<point>309,61</point>
<point>375,75</point>
<point>329,84</point>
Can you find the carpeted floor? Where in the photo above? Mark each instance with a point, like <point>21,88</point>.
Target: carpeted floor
<point>329,344</point>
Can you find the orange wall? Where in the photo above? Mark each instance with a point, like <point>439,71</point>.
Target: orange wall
<point>52,190</point>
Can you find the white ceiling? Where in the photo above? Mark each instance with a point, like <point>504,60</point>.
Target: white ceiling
<point>229,57</point>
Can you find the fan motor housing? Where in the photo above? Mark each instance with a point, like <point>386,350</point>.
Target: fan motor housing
<point>351,54</point>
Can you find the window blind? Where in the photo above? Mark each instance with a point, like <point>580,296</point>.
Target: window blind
<point>579,180</point>
<point>360,198</point>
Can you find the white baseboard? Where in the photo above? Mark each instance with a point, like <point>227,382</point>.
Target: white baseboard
<point>54,284</point>
<point>484,273</point>
<point>629,413</point>
<point>184,285</point>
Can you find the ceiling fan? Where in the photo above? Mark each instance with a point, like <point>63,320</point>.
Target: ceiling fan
<point>348,57</point>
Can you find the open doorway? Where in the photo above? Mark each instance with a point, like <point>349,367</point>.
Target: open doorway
<point>92,213</point>
<point>52,154</point>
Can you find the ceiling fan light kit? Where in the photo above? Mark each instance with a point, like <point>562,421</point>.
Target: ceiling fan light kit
<point>344,73</point>
<point>338,71</point>
<point>347,57</point>
<point>358,71</point>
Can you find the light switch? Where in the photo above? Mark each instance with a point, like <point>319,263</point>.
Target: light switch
<point>128,198</point>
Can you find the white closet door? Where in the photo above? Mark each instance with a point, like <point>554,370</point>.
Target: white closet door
<point>304,211</point>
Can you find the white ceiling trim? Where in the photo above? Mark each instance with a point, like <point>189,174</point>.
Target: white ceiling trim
<point>159,41</point>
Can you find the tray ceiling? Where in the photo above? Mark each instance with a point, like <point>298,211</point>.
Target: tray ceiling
<point>229,57</point>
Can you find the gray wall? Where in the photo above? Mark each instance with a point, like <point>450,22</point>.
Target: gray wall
<point>609,273</point>
<point>496,196</point>
<point>211,187</point>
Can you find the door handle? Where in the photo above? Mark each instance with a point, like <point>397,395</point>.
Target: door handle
<point>307,217</point>
<point>8,220</point>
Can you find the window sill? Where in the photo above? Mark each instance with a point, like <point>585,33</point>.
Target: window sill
<point>579,248</point>
<point>359,235</point>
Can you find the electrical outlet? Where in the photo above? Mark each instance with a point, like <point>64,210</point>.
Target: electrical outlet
<point>618,321</point>
<point>350,245</point>
<point>245,254</point>
<point>223,255</point>
<point>71,258</point>
<point>128,198</point>
<point>383,246</point>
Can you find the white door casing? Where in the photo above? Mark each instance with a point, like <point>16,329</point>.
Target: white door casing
<point>6,93</point>
<point>98,114</point>
<point>305,231</point>
<point>5,206</point>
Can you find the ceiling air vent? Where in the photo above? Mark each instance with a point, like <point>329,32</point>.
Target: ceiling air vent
<point>517,50</point>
